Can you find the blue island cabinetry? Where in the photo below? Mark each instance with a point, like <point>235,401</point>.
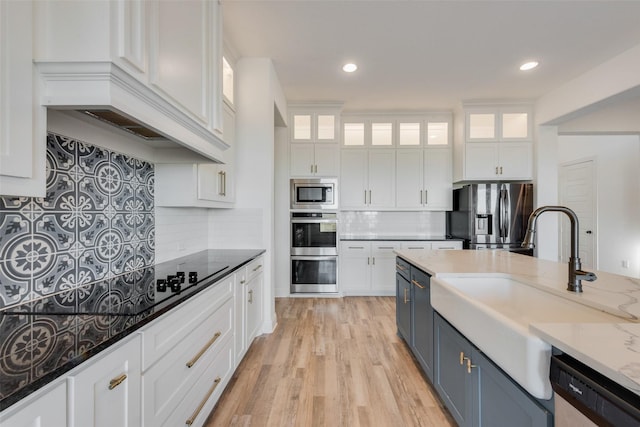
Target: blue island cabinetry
<point>476,392</point>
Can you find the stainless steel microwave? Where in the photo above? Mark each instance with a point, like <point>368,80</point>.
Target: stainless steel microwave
<point>317,193</point>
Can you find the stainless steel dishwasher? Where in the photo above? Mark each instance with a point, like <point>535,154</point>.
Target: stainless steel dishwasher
<point>585,398</point>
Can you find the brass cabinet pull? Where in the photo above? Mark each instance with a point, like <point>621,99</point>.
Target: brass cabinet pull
<point>417,284</point>
<point>373,260</point>
<point>257,268</point>
<point>242,282</point>
<point>368,261</point>
<point>496,170</point>
<point>405,295</point>
<point>311,169</point>
<point>193,361</point>
<point>426,197</point>
<point>365,197</point>
<point>469,366</point>
<point>462,358</point>
<point>421,202</point>
<point>117,381</point>
<point>400,267</point>
<point>356,247</point>
<point>251,297</point>
<point>500,170</point>
<point>316,168</point>
<point>193,416</point>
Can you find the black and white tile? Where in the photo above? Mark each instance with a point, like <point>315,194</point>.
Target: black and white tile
<point>95,222</point>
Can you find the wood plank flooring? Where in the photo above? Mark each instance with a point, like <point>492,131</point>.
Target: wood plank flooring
<point>330,362</point>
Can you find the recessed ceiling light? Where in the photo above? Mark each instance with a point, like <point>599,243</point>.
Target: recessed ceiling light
<point>528,66</point>
<point>349,68</point>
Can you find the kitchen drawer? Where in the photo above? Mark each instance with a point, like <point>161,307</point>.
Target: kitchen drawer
<point>254,268</point>
<point>200,399</point>
<point>169,330</point>
<point>403,268</point>
<point>447,244</point>
<point>416,245</point>
<point>355,248</point>
<point>170,378</point>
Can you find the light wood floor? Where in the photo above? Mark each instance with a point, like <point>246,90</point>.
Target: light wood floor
<point>330,362</point>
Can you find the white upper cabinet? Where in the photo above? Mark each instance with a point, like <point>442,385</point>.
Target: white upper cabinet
<point>424,179</point>
<point>314,123</point>
<point>498,143</point>
<point>367,179</point>
<point>156,61</point>
<point>505,123</point>
<point>314,148</point>
<point>396,130</point>
<point>22,127</point>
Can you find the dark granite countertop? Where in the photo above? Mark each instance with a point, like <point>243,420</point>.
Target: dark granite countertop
<point>43,339</point>
<point>386,237</point>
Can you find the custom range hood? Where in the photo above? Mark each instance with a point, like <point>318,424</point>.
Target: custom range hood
<point>105,92</point>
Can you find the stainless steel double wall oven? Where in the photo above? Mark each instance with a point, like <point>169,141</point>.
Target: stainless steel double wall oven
<point>314,236</point>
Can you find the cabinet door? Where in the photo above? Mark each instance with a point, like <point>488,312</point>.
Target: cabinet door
<point>18,140</point>
<point>254,307</point>
<point>438,179</point>
<point>327,160</point>
<point>353,179</point>
<point>515,160</point>
<point>403,307</point>
<point>453,383</point>
<point>355,267</point>
<point>422,322</point>
<point>181,48</point>
<point>501,403</point>
<point>409,179</point>
<point>46,408</point>
<point>107,392</point>
<point>382,178</point>
<point>240,317</point>
<point>383,267</point>
<point>301,160</point>
<point>480,161</point>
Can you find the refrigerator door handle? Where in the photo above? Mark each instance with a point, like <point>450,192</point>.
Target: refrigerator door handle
<point>505,213</point>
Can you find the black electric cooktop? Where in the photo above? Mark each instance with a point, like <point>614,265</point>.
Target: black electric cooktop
<point>135,292</point>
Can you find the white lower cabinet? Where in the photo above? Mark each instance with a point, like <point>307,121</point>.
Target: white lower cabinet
<point>367,268</point>
<point>248,306</point>
<point>106,392</point>
<point>45,408</point>
<point>169,380</point>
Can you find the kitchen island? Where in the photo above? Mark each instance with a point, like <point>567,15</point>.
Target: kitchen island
<point>513,309</point>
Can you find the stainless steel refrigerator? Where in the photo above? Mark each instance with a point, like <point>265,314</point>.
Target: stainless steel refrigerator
<point>491,215</point>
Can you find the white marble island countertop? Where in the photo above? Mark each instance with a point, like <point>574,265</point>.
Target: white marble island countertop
<point>612,348</point>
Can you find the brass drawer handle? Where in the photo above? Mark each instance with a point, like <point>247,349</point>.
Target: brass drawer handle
<point>462,358</point>
<point>418,284</point>
<point>117,381</point>
<point>257,268</point>
<point>400,267</point>
<point>193,361</point>
<point>406,300</point>
<point>193,416</point>
<point>469,366</point>
<point>251,296</point>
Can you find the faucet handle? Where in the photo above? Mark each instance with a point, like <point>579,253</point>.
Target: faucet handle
<point>585,275</point>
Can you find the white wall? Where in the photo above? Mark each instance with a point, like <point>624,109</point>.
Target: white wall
<point>282,203</point>
<point>618,195</point>
<point>251,224</point>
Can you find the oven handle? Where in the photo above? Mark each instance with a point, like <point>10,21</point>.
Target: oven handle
<point>314,258</point>
<point>314,221</point>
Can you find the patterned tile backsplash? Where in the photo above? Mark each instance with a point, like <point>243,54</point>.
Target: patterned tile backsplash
<point>96,221</point>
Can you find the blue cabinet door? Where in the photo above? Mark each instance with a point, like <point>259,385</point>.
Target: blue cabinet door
<point>422,323</point>
<point>501,402</point>
<point>452,381</point>
<point>403,307</point>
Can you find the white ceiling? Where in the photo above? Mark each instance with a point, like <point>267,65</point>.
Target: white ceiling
<point>428,55</point>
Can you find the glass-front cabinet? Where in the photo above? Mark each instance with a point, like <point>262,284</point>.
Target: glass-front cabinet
<point>314,123</point>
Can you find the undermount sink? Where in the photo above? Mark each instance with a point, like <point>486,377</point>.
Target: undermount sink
<point>495,313</point>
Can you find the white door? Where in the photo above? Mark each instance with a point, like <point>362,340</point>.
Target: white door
<point>327,160</point>
<point>578,192</point>
<point>382,178</point>
<point>438,187</point>
<point>409,189</point>
<point>353,179</point>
